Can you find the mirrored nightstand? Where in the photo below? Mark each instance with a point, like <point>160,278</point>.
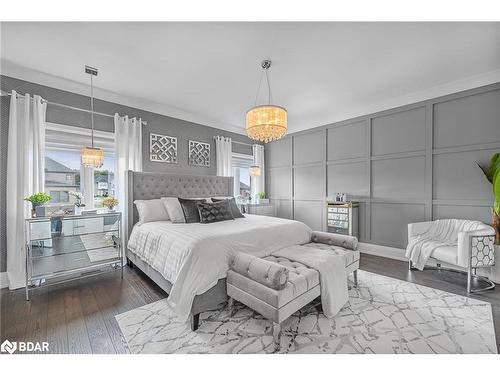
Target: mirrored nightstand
<point>68,247</point>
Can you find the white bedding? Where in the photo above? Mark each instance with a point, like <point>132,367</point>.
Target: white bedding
<point>193,257</point>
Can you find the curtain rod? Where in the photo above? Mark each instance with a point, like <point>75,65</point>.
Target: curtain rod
<point>241,143</point>
<point>4,93</point>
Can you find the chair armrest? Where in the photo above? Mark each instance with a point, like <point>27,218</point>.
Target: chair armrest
<point>414,229</point>
<point>342,240</point>
<point>259,270</point>
<point>464,244</point>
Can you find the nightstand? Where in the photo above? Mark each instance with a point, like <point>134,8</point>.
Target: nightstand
<point>264,209</point>
<point>73,246</point>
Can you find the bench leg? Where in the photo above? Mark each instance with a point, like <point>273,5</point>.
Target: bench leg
<point>277,336</point>
<point>355,275</point>
<point>230,306</point>
<point>195,322</point>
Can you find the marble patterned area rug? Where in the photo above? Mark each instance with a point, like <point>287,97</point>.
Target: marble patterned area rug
<point>383,315</point>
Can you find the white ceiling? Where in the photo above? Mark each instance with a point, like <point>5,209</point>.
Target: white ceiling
<point>209,72</point>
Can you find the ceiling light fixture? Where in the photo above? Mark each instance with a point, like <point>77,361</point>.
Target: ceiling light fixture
<point>269,122</point>
<point>92,157</point>
<point>254,171</point>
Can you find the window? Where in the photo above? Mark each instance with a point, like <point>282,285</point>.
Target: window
<point>63,173</point>
<point>242,182</point>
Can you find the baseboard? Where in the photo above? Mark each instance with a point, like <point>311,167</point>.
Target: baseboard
<point>399,254</point>
<point>382,251</point>
<point>4,280</point>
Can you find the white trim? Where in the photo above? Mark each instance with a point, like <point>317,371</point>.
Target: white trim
<point>13,70</point>
<point>78,130</point>
<point>4,280</point>
<point>382,251</point>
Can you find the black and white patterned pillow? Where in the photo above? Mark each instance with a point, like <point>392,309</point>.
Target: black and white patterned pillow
<point>190,209</point>
<point>232,204</point>
<point>212,212</point>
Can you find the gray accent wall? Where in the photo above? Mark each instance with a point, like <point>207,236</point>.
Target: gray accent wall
<point>157,123</point>
<point>407,164</point>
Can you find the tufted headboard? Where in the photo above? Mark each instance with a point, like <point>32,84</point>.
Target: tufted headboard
<point>151,185</point>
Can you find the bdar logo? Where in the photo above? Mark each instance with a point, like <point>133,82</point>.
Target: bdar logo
<point>9,347</point>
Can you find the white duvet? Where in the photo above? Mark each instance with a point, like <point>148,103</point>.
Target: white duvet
<point>193,257</point>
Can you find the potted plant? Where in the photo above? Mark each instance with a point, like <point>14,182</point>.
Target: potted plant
<point>110,203</point>
<point>36,200</point>
<point>262,198</point>
<point>78,204</point>
<point>492,173</point>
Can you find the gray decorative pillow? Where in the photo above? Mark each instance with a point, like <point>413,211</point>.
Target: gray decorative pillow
<point>235,211</point>
<point>213,212</point>
<point>190,209</point>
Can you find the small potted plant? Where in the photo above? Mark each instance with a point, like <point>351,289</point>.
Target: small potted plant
<point>110,203</point>
<point>262,198</point>
<point>78,204</point>
<point>37,200</point>
<point>492,174</point>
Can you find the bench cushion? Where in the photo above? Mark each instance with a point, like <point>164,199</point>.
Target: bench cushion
<point>300,280</point>
<point>350,256</point>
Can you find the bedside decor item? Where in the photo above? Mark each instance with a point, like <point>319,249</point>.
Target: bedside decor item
<point>78,204</point>
<point>55,210</point>
<point>269,122</point>
<point>162,148</point>
<point>36,200</point>
<point>492,174</point>
<point>199,154</point>
<point>92,156</point>
<point>110,203</point>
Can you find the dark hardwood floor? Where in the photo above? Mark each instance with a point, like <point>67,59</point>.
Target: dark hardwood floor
<point>78,316</point>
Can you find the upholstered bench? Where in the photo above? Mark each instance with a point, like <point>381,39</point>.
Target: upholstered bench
<point>276,287</point>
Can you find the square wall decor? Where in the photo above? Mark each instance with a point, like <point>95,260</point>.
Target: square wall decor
<point>162,148</point>
<point>199,154</point>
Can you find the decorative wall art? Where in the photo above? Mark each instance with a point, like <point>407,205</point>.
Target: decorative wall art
<point>162,148</point>
<point>199,154</point>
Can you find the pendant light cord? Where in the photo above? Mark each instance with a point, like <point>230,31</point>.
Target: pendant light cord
<point>269,95</point>
<point>92,106</point>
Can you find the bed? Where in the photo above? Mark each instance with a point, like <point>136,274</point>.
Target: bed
<point>190,261</point>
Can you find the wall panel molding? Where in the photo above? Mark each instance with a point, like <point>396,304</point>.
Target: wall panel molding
<point>401,179</point>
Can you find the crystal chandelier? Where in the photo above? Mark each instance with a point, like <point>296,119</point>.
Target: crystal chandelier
<point>92,156</point>
<point>254,171</point>
<point>266,123</point>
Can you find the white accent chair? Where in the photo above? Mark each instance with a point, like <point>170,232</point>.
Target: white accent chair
<point>474,249</point>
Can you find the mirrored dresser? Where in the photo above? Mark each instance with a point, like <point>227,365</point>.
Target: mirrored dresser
<point>63,248</point>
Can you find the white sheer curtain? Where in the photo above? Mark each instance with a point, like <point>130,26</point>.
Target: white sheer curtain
<point>128,146</point>
<point>223,156</point>
<point>25,175</point>
<point>258,184</point>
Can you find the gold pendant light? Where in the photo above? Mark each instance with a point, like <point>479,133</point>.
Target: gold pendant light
<point>269,122</point>
<point>92,156</point>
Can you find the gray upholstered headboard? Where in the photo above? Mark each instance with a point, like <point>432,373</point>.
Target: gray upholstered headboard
<point>151,185</point>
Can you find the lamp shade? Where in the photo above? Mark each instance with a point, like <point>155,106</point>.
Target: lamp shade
<point>254,171</point>
<point>92,157</point>
<point>266,123</point>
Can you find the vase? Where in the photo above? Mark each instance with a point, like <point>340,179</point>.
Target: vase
<point>78,210</point>
<point>33,209</point>
<point>495,223</point>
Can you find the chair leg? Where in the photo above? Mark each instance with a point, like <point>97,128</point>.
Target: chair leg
<point>277,336</point>
<point>409,265</point>
<point>469,280</point>
<point>355,276</point>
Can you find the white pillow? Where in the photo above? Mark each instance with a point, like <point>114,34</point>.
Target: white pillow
<point>151,210</point>
<point>174,209</point>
